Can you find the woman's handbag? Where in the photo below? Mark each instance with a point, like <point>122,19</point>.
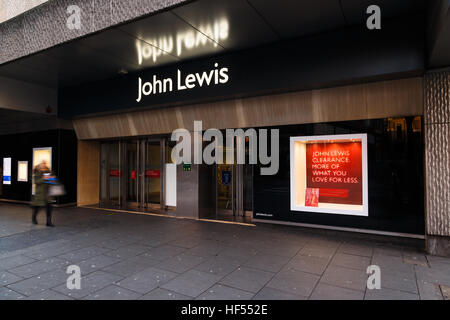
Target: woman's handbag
<point>56,190</point>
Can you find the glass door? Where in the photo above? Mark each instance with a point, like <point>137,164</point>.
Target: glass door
<point>152,171</point>
<point>132,164</point>
<point>133,174</point>
<point>225,189</point>
<point>234,187</point>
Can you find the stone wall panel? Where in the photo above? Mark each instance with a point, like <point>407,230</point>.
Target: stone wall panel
<point>437,152</point>
<point>45,26</point>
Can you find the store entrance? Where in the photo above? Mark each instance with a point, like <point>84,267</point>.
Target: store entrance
<point>234,184</point>
<point>132,174</point>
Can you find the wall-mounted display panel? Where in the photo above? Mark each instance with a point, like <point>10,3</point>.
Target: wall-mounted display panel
<point>329,174</point>
<point>22,171</point>
<point>6,170</point>
<point>41,155</point>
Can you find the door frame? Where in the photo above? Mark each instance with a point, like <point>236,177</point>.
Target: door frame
<point>141,148</point>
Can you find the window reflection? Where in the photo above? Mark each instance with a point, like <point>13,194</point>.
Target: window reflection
<point>210,35</point>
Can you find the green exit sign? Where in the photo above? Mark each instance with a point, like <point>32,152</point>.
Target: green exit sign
<point>186,167</point>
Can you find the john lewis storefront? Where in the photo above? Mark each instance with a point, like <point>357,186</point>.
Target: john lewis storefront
<point>362,114</point>
<point>350,155</point>
<point>350,131</point>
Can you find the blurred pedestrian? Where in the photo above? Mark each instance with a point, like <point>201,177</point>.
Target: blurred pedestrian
<point>41,198</point>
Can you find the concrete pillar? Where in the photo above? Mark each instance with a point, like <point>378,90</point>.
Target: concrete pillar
<point>437,162</point>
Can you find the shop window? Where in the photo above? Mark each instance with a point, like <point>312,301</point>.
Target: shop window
<point>329,174</point>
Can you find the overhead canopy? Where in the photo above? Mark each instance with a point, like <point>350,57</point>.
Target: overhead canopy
<point>197,29</point>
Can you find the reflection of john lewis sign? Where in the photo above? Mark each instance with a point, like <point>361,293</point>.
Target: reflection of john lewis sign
<point>183,82</point>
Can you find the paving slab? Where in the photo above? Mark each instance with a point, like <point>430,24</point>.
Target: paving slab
<point>89,284</point>
<point>207,249</point>
<point>48,295</point>
<point>83,254</point>
<point>294,282</point>
<point>445,292</point>
<point>392,263</point>
<point>118,242</point>
<point>53,250</point>
<point>429,290</point>
<point>164,252</point>
<point>281,249</point>
<point>325,291</point>
<point>8,278</point>
<point>247,279</point>
<point>188,242</point>
<point>219,265</point>
<point>433,275</point>
<point>350,261</point>
<point>389,294</point>
<point>317,251</point>
<point>39,267</point>
<point>308,264</point>
<point>181,263</point>
<point>356,249</point>
<point>128,251</point>
<point>96,263</point>
<point>131,266</point>
<point>268,293</point>
<point>40,283</point>
<point>221,292</point>
<point>15,261</point>
<point>345,278</point>
<point>191,283</point>
<point>163,294</point>
<point>113,292</point>
<point>8,294</point>
<point>147,280</point>
<point>397,280</point>
<point>266,262</point>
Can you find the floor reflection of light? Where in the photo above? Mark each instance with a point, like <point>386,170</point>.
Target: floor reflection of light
<point>209,35</point>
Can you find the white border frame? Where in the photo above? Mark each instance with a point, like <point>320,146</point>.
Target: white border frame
<point>363,137</point>
<point>27,172</point>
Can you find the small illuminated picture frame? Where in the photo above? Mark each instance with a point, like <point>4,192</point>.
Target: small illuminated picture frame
<point>40,155</point>
<point>329,174</point>
<point>7,171</point>
<point>22,171</point>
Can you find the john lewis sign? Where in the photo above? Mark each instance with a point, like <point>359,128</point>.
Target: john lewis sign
<point>182,81</point>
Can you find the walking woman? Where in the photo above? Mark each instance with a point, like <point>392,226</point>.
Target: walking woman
<point>41,197</point>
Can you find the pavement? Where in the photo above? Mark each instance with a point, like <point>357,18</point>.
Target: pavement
<point>132,256</point>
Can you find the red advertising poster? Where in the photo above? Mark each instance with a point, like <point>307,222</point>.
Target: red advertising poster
<point>336,170</point>
<point>153,173</point>
<point>312,197</point>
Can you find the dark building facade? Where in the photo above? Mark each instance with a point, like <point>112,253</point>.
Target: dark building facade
<point>359,115</point>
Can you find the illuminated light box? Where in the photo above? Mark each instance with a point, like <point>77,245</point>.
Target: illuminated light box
<point>329,174</point>
<point>41,155</point>
<point>6,170</point>
<point>22,171</point>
